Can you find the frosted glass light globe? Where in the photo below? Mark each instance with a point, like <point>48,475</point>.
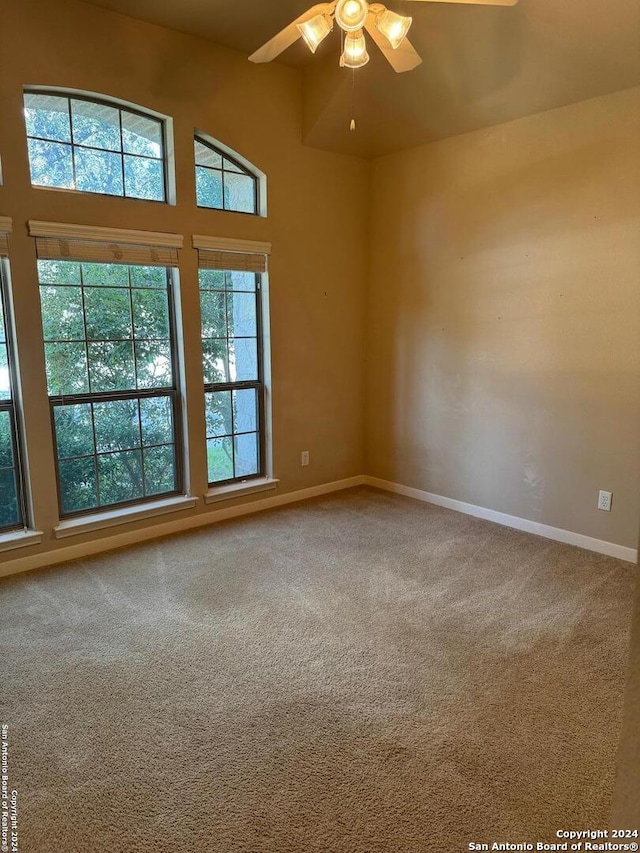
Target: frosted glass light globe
<point>351,14</point>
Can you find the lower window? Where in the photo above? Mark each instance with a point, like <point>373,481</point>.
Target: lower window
<point>109,334</point>
<point>234,387</point>
<point>12,510</point>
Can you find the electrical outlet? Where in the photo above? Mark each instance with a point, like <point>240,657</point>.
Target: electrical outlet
<point>604,500</point>
<point>304,458</point>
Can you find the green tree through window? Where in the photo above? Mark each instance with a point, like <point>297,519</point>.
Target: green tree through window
<point>234,388</point>
<point>112,380</point>
<point>221,182</point>
<point>94,147</point>
<point>12,512</point>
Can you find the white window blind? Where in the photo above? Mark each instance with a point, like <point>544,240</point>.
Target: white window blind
<point>5,230</point>
<point>58,242</point>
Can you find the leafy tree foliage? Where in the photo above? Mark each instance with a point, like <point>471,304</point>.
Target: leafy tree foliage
<point>107,331</point>
<point>228,306</point>
<point>221,183</point>
<point>93,147</point>
<point>10,514</point>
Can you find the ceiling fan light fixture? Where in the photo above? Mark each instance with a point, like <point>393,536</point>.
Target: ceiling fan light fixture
<point>393,27</point>
<point>315,30</point>
<point>351,15</point>
<point>355,51</point>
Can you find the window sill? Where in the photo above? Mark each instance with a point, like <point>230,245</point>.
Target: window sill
<point>20,539</point>
<point>114,517</point>
<point>238,490</point>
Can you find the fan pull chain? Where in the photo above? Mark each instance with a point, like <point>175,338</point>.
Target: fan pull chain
<point>352,125</point>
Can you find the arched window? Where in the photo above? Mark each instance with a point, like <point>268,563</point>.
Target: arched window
<point>84,144</point>
<point>222,182</point>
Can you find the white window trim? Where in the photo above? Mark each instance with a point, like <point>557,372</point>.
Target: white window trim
<point>67,231</point>
<point>20,539</point>
<point>230,244</point>
<point>125,515</point>
<point>237,490</point>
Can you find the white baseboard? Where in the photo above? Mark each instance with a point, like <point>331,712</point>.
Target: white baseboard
<point>99,546</point>
<point>601,547</point>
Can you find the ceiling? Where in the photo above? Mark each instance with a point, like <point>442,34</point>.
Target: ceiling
<point>482,65</point>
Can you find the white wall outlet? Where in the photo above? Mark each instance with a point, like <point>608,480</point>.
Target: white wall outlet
<point>304,458</point>
<point>604,500</point>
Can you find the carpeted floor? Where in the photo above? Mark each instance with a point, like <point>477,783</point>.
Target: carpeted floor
<point>358,674</point>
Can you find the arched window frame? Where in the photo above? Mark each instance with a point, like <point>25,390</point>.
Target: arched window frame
<point>165,122</point>
<point>241,163</point>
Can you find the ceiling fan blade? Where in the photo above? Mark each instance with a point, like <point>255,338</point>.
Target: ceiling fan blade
<point>471,2</point>
<point>403,58</point>
<point>286,37</point>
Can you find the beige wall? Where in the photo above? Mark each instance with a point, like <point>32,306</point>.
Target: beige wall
<point>503,355</point>
<point>317,223</point>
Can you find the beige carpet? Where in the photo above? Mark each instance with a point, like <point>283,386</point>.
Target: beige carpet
<point>357,674</point>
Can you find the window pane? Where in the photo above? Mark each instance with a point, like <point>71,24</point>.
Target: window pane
<point>215,361</point>
<point>246,455</point>
<point>3,331</point>
<point>120,477</point>
<point>245,281</point>
<point>5,381</point>
<point>148,277</point>
<point>213,314</point>
<point>230,166</point>
<point>96,125</point>
<point>206,156</point>
<point>151,314</point>
<point>117,425</point>
<point>47,117</point>
<point>108,313</point>
<point>6,440</point>
<point>239,193</point>
<point>243,354</point>
<point>51,164</point>
<point>66,369</point>
<point>9,513</point>
<point>78,489</point>
<point>74,430</point>
<point>105,275</point>
<point>154,365</point>
<point>218,414</point>
<point>143,178</point>
<point>245,410</point>
<point>59,272</point>
<point>141,135</point>
<point>156,416</point>
<point>98,172</point>
<point>159,470</point>
<point>220,459</point>
<point>111,366</point>
<point>62,317</point>
<point>241,314</point>
<point>212,279</point>
<point>209,188</point>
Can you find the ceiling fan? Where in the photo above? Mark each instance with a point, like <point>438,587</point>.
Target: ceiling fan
<point>387,29</point>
